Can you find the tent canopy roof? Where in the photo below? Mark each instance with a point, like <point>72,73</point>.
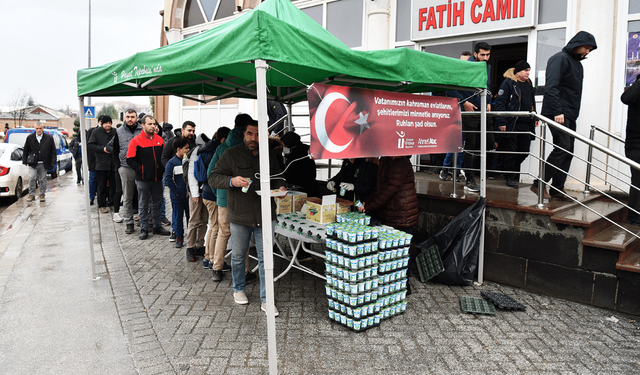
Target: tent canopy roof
<point>218,63</point>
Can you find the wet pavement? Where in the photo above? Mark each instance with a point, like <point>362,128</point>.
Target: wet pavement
<point>151,312</point>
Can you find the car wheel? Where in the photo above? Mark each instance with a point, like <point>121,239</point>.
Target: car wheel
<point>70,167</point>
<point>19,188</point>
<point>54,174</point>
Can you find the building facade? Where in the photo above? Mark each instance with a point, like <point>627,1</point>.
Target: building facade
<point>531,30</point>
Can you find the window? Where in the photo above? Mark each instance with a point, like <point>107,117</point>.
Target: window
<point>16,155</point>
<point>344,20</point>
<point>553,11</point>
<point>634,6</point>
<point>197,12</point>
<point>225,9</point>
<point>315,13</point>
<point>192,14</point>
<point>403,21</point>
<point>550,42</point>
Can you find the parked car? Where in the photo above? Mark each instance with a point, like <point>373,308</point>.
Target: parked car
<point>14,176</point>
<point>18,137</point>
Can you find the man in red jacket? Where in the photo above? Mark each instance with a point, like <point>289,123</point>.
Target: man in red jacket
<point>144,157</point>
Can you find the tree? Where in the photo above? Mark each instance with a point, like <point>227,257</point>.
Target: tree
<point>31,102</point>
<point>20,107</point>
<point>152,101</point>
<point>76,127</point>
<point>109,110</point>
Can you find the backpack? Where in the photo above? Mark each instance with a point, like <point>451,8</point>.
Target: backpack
<point>201,165</point>
<point>186,165</point>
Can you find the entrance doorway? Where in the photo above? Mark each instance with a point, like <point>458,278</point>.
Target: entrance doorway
<point>504,57</point>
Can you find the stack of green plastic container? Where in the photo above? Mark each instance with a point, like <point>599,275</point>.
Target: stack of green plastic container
<point>365,283</point>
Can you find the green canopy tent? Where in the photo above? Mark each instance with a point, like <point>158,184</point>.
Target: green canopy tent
<point>274,52</point>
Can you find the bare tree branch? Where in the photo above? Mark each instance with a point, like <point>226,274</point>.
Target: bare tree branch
<point>19,107</point>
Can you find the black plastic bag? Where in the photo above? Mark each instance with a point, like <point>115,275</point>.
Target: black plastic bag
<point>459,245</point>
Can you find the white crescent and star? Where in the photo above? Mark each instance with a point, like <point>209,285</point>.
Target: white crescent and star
<point>321,116</point>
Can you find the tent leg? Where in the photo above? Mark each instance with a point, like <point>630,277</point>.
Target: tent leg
<point>85,174</point>
<point>267,228</point>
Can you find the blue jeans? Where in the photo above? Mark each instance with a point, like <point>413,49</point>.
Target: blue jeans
<point>92,184</point>
<point>241,234</point>
<point>448,160</point>
<point>180,210</point>
<point>163,208</point>
<point>149,192</point>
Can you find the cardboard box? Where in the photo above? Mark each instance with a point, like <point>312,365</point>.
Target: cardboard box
<point>299,199</point>
<point>322,211</point>
<point>344,205</point>
<point>284,204</point>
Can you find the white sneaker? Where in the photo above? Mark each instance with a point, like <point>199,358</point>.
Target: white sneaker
<point>264,308</point>
<point>240,298</point>
<point>117,218</point>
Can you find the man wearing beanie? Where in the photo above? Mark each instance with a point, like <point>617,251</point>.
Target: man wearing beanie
<point>516,94</point>
<point>561,103</point>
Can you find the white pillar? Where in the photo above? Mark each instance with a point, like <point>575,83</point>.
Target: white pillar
<point>377,24</point>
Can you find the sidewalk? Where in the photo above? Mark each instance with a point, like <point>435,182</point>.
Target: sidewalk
<point>154,313</point>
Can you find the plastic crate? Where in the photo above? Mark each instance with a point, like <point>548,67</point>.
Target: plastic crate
<point>429,264</point>
<point>503,301</point>
<point>476,305</point>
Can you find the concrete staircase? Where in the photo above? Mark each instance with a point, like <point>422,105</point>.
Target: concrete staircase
<point>564,250</point>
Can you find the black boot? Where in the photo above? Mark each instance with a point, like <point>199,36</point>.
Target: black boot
<point>143,234</point>
<point>130,229</point>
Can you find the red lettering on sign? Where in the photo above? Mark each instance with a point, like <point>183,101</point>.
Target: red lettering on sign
<point>521,7</point>
<point>449,14</point>
<point>503,9</point>
<point>488,11</point>
<point>476,17</point>
<point>431,20</point>
<point>458,14</point>
<point>441,9</point>
<point>421,18</point>
<point>515,8</point>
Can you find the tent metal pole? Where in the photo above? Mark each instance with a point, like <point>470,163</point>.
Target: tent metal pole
<point>267,228</point>
<point>483,177</point>
<point>85,176</point>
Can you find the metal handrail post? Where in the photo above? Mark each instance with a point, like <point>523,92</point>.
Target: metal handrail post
<point>541,185</point>
<point>455,175</point>
<point>289,116</point>
<point>483,177</point>
<point>587,179</point>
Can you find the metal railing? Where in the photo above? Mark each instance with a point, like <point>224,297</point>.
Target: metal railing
<point>545,122</point>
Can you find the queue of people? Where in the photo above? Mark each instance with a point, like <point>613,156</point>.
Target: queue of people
<point>212,182</point>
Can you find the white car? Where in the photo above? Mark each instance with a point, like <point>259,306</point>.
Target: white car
<point>14,176</point>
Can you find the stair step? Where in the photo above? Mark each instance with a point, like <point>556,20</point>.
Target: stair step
<point>630,263</point>
<point>580,216</point>
<point>615,238</point>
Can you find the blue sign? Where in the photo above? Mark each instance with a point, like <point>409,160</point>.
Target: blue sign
<point>90,112</point>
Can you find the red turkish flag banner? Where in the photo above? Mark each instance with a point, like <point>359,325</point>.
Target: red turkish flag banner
<point>351,122</point>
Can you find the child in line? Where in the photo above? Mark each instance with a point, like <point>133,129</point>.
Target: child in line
<point>178,189</point>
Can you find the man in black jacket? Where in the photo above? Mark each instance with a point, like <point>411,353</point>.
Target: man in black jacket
<point>189,132</point>
<point>105,173</point>
<point>562,96</point>
<point>516,94</point>
<point>42,146</point>
<point>143,156</point>
<point>631,97</point>
<point>470,102</point>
